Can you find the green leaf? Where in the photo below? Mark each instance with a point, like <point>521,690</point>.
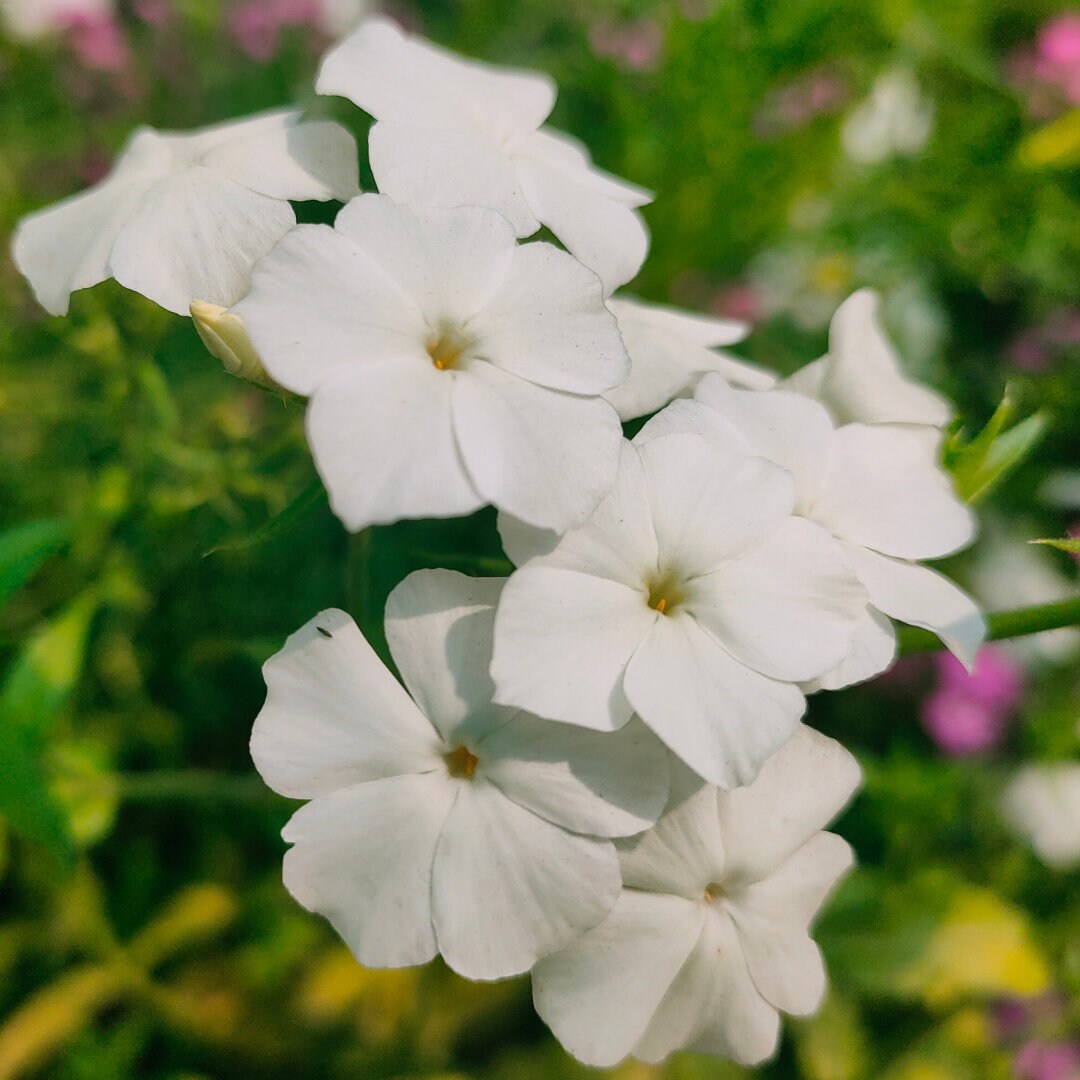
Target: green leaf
<point>310,499</point>
<point>1070,545</point>
<point>24,548</point>
<point>982,463</point>
<point>24,796</point>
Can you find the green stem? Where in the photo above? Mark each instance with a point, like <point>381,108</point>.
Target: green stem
<point>1002,624</point>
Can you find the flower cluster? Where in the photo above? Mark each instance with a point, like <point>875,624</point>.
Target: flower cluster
<point>596,769</point>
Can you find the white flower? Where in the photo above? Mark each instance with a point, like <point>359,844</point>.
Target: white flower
<point>31,19</point>
<point>184,215</point>
<point>894,120</point>
<point>691,597</point>
<point>669,352</point>
<point>710,937</point>
<point>877,489</point>
<point>860,380</point>
<point>1042,803</point>
<point>440,823</point>
<point>457,132</point>
<point>447,366</point>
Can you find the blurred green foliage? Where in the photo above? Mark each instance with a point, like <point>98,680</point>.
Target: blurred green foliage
<point>163,531</point>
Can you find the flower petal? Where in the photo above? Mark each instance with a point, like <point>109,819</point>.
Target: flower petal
<point>510,888</point>
<point>394,76</point>
<point>384,444</point>
<point>719,716</point>
<point>884,491</point>
<point>548,324</point>
<point>438,626</point>
<point>787,608</point>
<point>448,167</point>
<point>708,504</point>
<point>523,542</point>
<point>597,783</point>
<point>871,650</point>
<point>686,416</point>
<point>334,715</point>
<point>600,993</point>
<point>363,857</point>
<point>562,643</point>
<point>798,792</point>
<point>318,304</point>
<point>196,236</point>
<point>544,456</point>
<point>772,917</point>
<point>449,262</point>
<point>922,597</point>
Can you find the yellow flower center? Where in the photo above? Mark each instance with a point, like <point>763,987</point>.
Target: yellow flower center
<point>446,346</point>
<point>461,762</point>
<point>665,594</point>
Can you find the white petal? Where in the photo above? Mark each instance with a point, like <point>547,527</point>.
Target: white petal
<point>597,783</point>
<point>383,440</point>
<point>334,715</point>
<point>798,792</point>
<point>686,416</point>
<point>523,542</point>
<point>871,650</point>
<point>709,505</point>
<point>772,917</point>
<point>438,626</point>
<point>319,304</point>
<point>884,491</point>
<point>787,608</point>
<point>562,643</point>
<point>719,716</point>
<point>600,993</point>
<point>363,857</point>
<point>670,350</point>
<point>196,236</point>
<point>617,542</point>
<point>396,77</point>
<point>922,597</point>
<point>287,159</point>
<point>450,262</point>
<point>510,888</point>
<point>433,166</point>
<point>683,854</point>
<point>1042,803</point>
<point>863,382</point>
<point>66,247</point>
<point>788,429</point>
<point>544,456</point>
<point>548,324</point>
<point>713,1006</point>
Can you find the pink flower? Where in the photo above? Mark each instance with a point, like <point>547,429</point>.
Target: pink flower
<point>256,25</point>
<point>97,41</point>
<point>635,45</point>
<point>1059,39</point>
<point>1047,1061</point>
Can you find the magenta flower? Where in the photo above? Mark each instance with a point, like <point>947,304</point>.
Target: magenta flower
<point>1047,1061</point>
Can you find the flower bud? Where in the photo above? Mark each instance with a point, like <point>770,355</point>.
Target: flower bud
<point>225,337</point>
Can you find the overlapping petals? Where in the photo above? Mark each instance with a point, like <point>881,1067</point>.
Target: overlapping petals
<point>710,939</point>
<point>440,822</point>
<point>447,366</point>
<point>183,216</point>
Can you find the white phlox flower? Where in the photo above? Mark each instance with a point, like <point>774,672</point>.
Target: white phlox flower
<point>691,597</point>
<point>184,215</point>
<point>896,119</point>
<point>1042,804</point>
<point>878,490</point>
<point>440,823</point>
<point>709,939</point>
<point>860,379</point>
<point>456,132</point>
<point>447,366</point>
<point>669,352</point>
<point>32,19</point>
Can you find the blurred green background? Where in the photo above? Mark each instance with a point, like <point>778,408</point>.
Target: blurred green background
<point>798,150</point>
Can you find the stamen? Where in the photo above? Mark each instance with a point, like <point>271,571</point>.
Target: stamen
<point>661,604</point>
<point>446,347</point>
<point>461,762</point>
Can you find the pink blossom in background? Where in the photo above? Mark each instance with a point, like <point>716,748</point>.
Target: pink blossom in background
<point>1040,346</point>
<point>636,46</point>
<point>795,104</point>
<point>1015,1020</point>
<point>968,714</point>
<point>256,25</point>
<point>1059,40</point>
<point>1047,1061</point>
<point>157,13</point>
<point>1049,71</point>
<point>737,300</point>
<point>97,41</point>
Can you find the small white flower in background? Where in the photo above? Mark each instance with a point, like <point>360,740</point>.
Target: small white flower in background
<point>710,937</point>
<point>860,379</point>
<point>456,132</point>
<point>184,215</point>
<point>440,823</point>
<point>31,19</point>
<point>447,366</point>
<point>669,352</point>
<point>877,489</point>
<point>895,120</point>
<point>691,597</point>
<point>1042,803</point>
